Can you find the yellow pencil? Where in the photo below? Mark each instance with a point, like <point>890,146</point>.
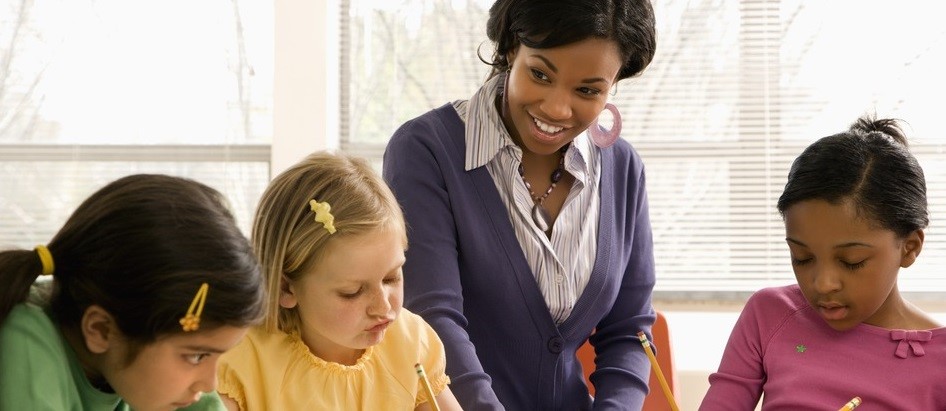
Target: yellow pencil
<point>430,391</point>
<point>660,374</point>
<point>852,404</point>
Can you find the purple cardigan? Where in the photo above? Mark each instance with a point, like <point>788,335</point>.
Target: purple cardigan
<point>468,277</point>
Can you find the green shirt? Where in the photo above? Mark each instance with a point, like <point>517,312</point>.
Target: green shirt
<point>40,371</point>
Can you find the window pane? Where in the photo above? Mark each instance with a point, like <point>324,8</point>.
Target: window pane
<point>406,57</point>
<point>113,71</point>
<point>91,91</point>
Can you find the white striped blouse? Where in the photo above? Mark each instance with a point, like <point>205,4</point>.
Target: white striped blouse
<point>561,264</point>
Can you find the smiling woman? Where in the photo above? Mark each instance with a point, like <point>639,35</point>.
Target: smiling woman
<point>528,236</point>
<point>550,97</point>
<point>553,95</point>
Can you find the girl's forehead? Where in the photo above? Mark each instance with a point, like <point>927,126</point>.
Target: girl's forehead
<point>376,252</point>
<point>822,222</point>
<point>217,339</point>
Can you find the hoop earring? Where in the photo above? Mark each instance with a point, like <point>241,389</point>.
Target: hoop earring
<point>602,137</point>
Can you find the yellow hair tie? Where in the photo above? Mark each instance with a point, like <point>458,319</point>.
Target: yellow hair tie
<point>191,321</point>
<point>46,258</point>
<point>323,214</point>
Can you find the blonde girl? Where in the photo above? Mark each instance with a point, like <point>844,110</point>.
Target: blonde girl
<point>331,242</point>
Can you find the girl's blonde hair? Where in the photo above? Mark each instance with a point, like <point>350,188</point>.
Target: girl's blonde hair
<point>287,239</point>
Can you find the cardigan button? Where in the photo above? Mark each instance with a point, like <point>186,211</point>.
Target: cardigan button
<point>556,345</point>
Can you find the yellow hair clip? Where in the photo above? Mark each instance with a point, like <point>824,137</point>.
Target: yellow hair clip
<point>323,214</point>
<point>191,321</point>
<point>46,258</point>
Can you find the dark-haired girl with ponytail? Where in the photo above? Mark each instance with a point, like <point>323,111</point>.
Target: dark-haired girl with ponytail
<point>145,285</point>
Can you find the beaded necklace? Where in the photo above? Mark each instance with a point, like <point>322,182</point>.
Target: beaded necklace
<point>541,216</point>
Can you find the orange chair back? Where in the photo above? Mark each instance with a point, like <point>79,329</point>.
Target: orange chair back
<point>655,401</point>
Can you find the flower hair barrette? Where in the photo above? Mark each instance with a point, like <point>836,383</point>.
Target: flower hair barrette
<point>323,214</point>
<point>191,321</point>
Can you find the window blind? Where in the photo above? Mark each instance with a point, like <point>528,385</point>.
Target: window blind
<point>736,90</point>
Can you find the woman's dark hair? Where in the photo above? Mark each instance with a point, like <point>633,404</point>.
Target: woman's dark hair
<point>545,24</point>
<point>870,166</point>
<point>140,248</point>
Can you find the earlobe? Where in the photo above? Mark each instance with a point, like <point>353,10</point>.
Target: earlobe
<point>287,295</point>
<point>912,245</point>
<point>99,329</point>
<point>510,56</point>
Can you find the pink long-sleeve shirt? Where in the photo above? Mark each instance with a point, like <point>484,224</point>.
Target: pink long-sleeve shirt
<point>781,347</point>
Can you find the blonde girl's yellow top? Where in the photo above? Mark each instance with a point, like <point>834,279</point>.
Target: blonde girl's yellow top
<point>276,371</point>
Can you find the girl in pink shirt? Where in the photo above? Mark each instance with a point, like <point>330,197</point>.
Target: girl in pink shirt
<point>854,209</point>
